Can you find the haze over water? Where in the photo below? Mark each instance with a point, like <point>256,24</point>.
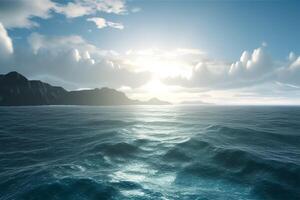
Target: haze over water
<point>150,152</point>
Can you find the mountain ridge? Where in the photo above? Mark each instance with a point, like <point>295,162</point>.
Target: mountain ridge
<point>17,90</point>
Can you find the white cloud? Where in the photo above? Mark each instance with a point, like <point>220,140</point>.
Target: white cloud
<point>101,23</point>
<point>20,13</point>
<point>252,65</point>
<point>87,7</point>
<point>252,69</point>
<point>115,25</point>
<point>86,55</point>
<point>109,6</point>
<point>73,60</point>
<point>168,73</point>
<point>6,45</point>
<point>73,47</point>
<point>185,51</point>
<point>289,73</point>
<point>72,10</point>
<point>56,44</point>
<point>295,65</point>
<point>76,55</point>
<point>162,63</point>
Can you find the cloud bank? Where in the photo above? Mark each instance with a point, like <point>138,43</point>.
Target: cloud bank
<point>71,61</point>
<point>253,68</point>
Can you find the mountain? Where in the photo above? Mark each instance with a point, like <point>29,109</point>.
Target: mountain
<point>196,103</point>
<point>17,90</point>
<point>103,96</point>
<point>156,101</point>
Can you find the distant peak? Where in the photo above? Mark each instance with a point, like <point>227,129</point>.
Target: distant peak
<point>155,100</point>
<point>15,76</point>
<point>13,73</point>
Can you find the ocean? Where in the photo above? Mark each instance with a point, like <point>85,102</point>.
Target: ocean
<point>150,152</point>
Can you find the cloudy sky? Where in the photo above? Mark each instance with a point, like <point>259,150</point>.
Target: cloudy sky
<point>224,52</point>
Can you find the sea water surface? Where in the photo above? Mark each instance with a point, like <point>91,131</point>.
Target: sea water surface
<point>150,152</point>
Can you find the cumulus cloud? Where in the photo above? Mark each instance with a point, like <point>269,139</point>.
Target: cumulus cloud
<point>252,65</point>
<point>251,69</point>
<point>295,65</point>
<point>6,45</point>
<point>76,55</point>
<point>56,44</point>
<point>72,62</point>
<point>73,47</point>
<point>102,23</point>
<point>73,59</point>
<point>20,13</point>
<point>289,73</point>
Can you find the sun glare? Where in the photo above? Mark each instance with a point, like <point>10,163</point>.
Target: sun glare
<point>165,68</point>
<point>161,64</point>
<point>155,87</point>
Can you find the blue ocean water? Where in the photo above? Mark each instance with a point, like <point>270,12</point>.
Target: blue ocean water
<point>150,152</point>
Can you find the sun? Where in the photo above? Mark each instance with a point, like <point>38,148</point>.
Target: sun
<point>155,87</point>
<point>161,64</point>
<point>165,68</point>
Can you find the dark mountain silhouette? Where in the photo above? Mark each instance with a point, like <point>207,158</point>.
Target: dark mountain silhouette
<point>17,90</point>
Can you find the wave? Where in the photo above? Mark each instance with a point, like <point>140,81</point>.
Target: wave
<point>208,160</point>
<point>185,153</point>
<point>112,123</point>
<point>70,189</point>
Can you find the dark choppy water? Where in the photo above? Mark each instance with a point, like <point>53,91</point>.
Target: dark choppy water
<point>144,152</point>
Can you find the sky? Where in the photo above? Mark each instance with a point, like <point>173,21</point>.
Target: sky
<point>214,51</point>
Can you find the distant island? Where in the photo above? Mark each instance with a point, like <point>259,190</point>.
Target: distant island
<point>17,90</point>
<point>195,103</point>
